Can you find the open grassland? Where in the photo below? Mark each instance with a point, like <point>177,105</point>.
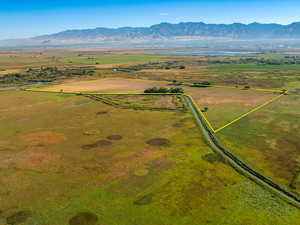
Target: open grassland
<point>66,159</point>
<point>158,102</point>
<point>108,86</point>
<point>268,140</point>
<point>111,59</point>
<point>25,60</point>
<point>256,67</point>
<point>222,105</point>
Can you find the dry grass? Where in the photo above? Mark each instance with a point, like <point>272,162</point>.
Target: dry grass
<point>108,86</point>
<point>9,71</point>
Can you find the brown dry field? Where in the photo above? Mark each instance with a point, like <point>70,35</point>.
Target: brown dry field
<point>108,86</point>
<point>9,71</point>
<point>216,96</point>
<point>227,104</point>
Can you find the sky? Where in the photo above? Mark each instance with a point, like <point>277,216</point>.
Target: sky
<point>28,18</point>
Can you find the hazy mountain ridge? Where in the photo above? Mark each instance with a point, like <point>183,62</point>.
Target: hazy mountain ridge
<point>167,31</point>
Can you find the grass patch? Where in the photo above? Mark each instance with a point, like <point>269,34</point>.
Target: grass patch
<point>111,59</point>
<point>255,67</point>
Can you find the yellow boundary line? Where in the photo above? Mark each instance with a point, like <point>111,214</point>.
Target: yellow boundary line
<point>96,93</point>
<point>248,113</point>
<point>201,113</point>
<point>233,87</point>
<point>192,99</point>
<point>108,78</point>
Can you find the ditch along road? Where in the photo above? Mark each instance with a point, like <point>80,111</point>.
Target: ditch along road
<point>235,162</point>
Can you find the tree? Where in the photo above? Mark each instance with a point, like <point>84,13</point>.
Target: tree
<point>205,109</point>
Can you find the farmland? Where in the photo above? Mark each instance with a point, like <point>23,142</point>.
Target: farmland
<point>256,67</point>
<point>91,160</point>
<point>270,135</point>
<point>129,159</point>
<point>107,86</point>
<point>111,59</point>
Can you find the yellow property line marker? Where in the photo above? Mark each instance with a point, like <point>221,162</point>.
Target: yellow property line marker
<point>201,113</point>
<point>248,113</point>
<point>107,78</point>
<point>233,87</point>
<point>95,93</point>
<point>192,99</point>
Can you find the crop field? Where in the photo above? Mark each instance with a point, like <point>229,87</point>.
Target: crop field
<point>118,85</point>
<point>67,159</point>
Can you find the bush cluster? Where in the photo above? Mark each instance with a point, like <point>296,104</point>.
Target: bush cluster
<point>164,90</point>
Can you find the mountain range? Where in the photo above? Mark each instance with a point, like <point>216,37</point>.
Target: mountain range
<point>167,31</point>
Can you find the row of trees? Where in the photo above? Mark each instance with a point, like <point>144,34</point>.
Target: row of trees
<point>164,90</point>
<point>158,65</point>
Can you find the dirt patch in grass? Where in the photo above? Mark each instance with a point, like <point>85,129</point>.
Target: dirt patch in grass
<point>38,160</point>
<point>178,125</point>
<point>101,113</point>
<point>101,143</point>
<point>159,142</point>
<point>90,146</point>
<point>212,158</point>
<point>18,217</point>
<point>115,137</point>
<point>129,162</point>
<point>44,138</point>
<point>84,218</point>
<point>144,200</point>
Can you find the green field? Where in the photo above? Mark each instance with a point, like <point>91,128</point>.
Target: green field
<point>223,105</point>
<point>69,160</point>
<point>269,141</point>
<point>141,160</point>
<point>111,59</point>
<point>255,67</point>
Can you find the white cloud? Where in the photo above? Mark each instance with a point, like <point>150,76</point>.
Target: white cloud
<point>164,14</point>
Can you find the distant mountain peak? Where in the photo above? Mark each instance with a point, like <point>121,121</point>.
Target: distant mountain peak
<point>169,31</point>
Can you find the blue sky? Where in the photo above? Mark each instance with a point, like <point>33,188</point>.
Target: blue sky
<point>20,18</point>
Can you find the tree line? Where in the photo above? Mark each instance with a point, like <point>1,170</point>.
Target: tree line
<point>164,90</point>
